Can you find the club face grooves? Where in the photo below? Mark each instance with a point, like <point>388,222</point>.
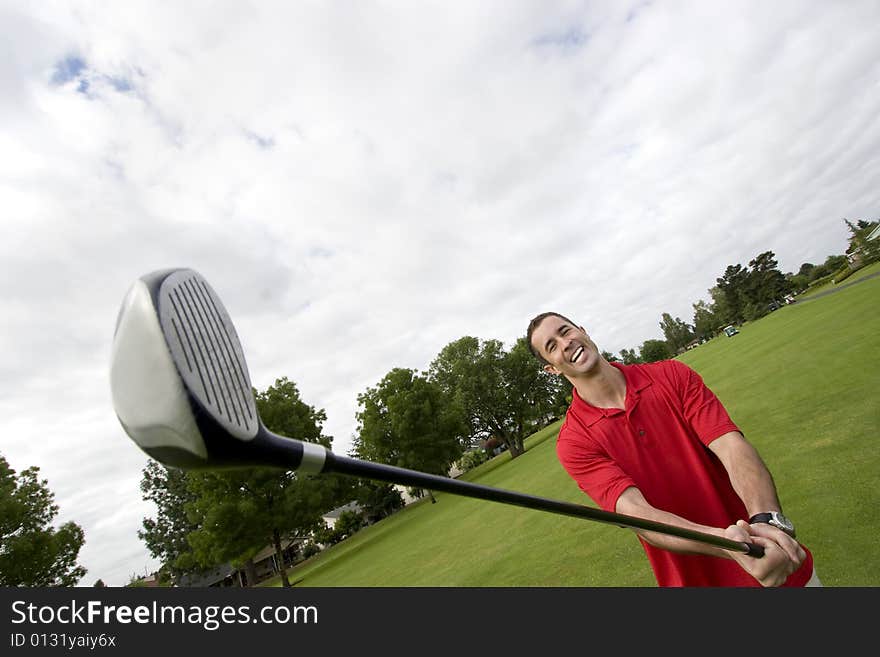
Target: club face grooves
<point>207,351</point>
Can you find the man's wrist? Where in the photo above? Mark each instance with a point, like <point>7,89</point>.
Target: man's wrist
<point>776,519</point>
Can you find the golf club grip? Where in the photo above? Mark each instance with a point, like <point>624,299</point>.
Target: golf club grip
<point>392,474</point>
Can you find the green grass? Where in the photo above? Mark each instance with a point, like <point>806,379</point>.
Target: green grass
<point>860,274</point>
<point>804,385</point>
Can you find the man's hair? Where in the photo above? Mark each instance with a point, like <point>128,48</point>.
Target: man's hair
<point>534,324</point>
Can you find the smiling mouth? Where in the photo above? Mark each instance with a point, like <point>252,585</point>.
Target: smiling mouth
<point>576,354</point>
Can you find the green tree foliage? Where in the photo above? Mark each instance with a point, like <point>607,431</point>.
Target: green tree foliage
<point>500,393</point>
<point>240,511</point>
<point>348,523</point>
<point>243,510</point>
<point>677,333</point>
<point>766,282</point>
<point>407,421</point>
<point>797,282</point>
<point>630,357</point>
<point>32,553</point>
<point>706,321</point>
<point>472,458</point>
<point>166,535</point>
<point>654,350</point>
<point>747,292</point>
<point>733,286</point>
<point>468,371</point>
<point>832,264</point>
<point>862,249</point>
<point>806,270</point>
<point>378,499</point>
<point>720,308</point>
<point>283,411</point>
<point>535,398</point>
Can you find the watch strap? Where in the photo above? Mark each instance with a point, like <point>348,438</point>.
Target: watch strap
<point>760,517</point>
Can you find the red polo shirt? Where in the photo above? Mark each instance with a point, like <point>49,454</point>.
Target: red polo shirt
<point>658,443</point>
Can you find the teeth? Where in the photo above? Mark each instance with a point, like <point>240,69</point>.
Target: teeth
<point>577,354</point>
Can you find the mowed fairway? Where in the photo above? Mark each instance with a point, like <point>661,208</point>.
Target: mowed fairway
<point>803,384</point>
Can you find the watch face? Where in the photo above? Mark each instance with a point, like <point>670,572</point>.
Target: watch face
<point>782,522</point>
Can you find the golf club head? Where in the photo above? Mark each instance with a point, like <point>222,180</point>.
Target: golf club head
<point>180,383</point>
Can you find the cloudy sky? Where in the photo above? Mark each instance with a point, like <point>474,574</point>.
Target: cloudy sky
<point>364,182</point>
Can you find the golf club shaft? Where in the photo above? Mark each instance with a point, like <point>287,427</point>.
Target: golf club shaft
<point>416,479</point>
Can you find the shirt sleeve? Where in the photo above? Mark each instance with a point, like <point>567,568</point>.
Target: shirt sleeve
<point>592,468</point>
<point>702,408</point>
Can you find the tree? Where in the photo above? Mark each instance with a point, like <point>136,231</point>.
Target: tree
<point>745,293</point>
<point>240,511</point>
<point>734,286</point>
<point>166,535</point>
<point>378,499</point>
<point>860,248</point>
<point>797,282</point>
<point>720,308</point>
<point>706,321</point>
<point>243,510</point>
<point>805,269</point>
<point>766,282</point>
<point>32,553</point>
<point>630,357</point>
<point>654,350</point>
<point>407,421</point>
<point>348,523</point>
<point>832,264</point>
<point>611,358</point>
<point>467,372</point>
<point>677,333</point>
<point>533,397</point>
<point>500,393</point>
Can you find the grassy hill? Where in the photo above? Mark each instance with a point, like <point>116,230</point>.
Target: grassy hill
<point>804,385</point>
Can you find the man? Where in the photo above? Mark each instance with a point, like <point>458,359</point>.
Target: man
<point>653,441</point>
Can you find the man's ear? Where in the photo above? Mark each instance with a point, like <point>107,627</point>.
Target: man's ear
<point>551,370</point>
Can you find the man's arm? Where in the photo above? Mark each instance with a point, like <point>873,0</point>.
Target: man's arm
<point>749,476</point>
<point>770,570</point>
<point>753,483</point>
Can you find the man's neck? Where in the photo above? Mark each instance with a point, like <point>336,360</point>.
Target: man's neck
<point>603,388</point>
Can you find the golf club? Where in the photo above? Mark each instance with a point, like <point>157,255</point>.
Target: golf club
<point>181,390</point>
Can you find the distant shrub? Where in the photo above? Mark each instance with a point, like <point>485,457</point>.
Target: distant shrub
<point>843,274</point>
<point>348,523</point>
<point>472,459</point>
<point>821,281</point>
<point>309,550</point>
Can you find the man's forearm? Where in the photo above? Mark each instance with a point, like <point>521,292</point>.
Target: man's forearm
<point>749,476</point>
<point>632,502</point>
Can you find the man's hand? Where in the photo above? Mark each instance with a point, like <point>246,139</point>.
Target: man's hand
<point>782,554</point>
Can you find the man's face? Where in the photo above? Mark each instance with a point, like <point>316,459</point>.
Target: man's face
<point>567,348</point>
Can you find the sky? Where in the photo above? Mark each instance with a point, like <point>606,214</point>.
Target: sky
<point>364,182</point>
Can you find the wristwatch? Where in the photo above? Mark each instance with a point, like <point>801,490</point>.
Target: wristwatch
<point>776,519</point>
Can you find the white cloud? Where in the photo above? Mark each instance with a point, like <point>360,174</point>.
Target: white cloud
<point>364,183</point>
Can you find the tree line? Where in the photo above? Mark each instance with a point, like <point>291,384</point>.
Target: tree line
<point>744,293</point>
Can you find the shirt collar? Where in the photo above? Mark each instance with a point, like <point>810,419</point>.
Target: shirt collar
<point>636,381</point>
